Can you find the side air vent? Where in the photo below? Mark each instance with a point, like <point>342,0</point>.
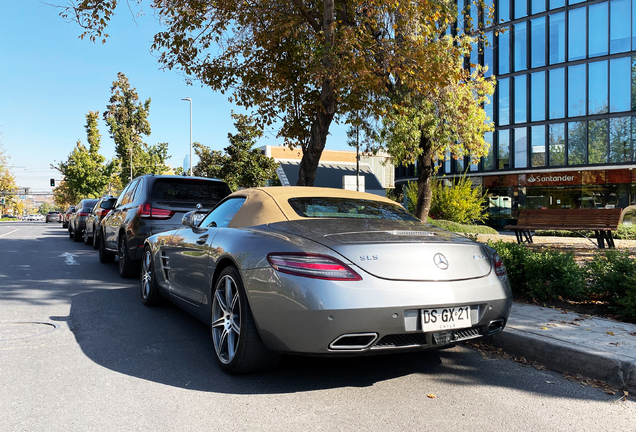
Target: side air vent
<point>165,265</point>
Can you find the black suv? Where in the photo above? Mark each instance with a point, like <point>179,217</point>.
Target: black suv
<point>150,204</point>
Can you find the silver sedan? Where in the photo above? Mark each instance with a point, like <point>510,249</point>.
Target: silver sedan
<point>323,272</point>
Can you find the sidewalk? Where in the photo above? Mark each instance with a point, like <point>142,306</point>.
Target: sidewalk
<point>568,342</point>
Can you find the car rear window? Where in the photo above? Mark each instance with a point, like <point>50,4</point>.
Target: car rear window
<point>327,207</point>
<point>189,190</point>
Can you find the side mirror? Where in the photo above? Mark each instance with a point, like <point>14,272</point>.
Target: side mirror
<point>190,219</point>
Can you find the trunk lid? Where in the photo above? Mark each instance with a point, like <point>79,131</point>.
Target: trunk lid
<point>397,250</point>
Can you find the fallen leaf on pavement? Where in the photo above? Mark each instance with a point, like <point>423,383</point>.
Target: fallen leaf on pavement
<point>610,333</point>
<point>614,343</point>
<point>544,328</point>
<point>633,333</point>
<point>431,396</point>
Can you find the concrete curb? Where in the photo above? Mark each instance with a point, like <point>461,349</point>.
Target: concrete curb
<point>563,356</point>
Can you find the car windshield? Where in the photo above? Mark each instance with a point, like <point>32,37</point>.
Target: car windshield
<point>327,207</point>
<point>189,190</point>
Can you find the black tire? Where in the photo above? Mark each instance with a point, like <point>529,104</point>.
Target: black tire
<point>104,255</point>
<point>150,295</point>
<point>70,233</point>
<point>86,238</point>
<point>95,238</point>
<point>77,236</point>
<point>237,344</point>
<point>127,267</point>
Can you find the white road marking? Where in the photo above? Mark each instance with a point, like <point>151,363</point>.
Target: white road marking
<point>10,232</point>
<point>69,258</point>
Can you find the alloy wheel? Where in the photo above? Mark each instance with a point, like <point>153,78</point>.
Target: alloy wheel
<point>226,319</point>
<point>146,274</point>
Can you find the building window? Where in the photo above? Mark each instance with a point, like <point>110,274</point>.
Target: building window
<point>620,148</point>
<point>521,8</point>
<point>521,88</point>
<point>576,90</point>
<point>537,30</point>
<point>620,80</point>
<point>620,15</point>
<point>503,155</point>
<point>575,1</point>
<point>489,159</point>
<point>556,3</point>
<point>488,54</point>
<point>597,88</point>
<point>538,146</point>
<point>538,6</point>
<point>504,51</point>
<point>557,93</point>
<point>503,10</point>
<point>521,51</point>
<point>556,142</point>
<point>598,30</point>
<point>521,148</point>
<point>576,143</point>
<point>557,38</point>
<point>577,34</point>
<point>597,141</point>
<point>503,89</point>
<point>537,96</point>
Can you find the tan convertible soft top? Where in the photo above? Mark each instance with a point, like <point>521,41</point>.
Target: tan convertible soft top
<point>269,205</point>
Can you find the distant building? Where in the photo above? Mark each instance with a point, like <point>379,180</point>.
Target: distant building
<point>377,170</point>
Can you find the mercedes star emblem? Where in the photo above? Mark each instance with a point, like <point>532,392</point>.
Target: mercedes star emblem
<point>440,261</point>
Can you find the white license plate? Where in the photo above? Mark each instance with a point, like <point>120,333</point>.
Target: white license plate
<point>449,318</point>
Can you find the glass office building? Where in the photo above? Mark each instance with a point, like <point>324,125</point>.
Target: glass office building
<point>564,108</point>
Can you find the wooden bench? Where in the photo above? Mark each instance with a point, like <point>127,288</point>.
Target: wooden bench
<point>601,221</point>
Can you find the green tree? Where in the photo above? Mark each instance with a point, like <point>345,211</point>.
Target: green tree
<point>127,120</point>
<point>7,179</point>
<point>459,202</point>
<point>305,64</point>
<point>241,165</point>
<point>86,173</point>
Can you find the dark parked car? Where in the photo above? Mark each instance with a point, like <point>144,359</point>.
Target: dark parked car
<point>52,216</point>
<point>66,215</point>
<point>93,222</point>
<point>77,220</point>
<point>150,204</point>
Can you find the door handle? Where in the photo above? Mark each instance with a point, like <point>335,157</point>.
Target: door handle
<point>201,240</point>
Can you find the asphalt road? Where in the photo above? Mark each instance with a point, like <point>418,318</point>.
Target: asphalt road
<point>79,352</point>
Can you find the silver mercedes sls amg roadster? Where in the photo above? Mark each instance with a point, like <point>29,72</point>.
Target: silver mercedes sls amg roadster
<point>323,272</point>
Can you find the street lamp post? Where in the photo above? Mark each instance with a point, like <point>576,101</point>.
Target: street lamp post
<point>190,100</point>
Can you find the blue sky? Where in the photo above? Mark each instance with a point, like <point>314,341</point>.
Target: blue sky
<point>50,79</point>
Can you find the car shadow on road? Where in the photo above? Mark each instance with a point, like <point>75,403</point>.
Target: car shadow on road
<point>166,345</point>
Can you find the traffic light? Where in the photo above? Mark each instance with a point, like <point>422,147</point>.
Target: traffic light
<point>52,182</point>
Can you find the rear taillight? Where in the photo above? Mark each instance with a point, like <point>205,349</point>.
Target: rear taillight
<point>149,212</point>
<point>80,214</point>
<point>500,268</point>
<point>312,266</point>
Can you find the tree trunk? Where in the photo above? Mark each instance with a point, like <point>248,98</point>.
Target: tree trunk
<point>424,174</point>
<point>324,117</point>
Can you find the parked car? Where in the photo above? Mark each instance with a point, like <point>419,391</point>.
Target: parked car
<point>150,204</point>
<point>320,271</point>
<point>93,222</point>
<point>77,220</point>
<point>66,215</point>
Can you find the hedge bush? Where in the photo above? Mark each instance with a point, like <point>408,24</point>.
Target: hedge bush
<point>551,274</point>
<point>462,228</point>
